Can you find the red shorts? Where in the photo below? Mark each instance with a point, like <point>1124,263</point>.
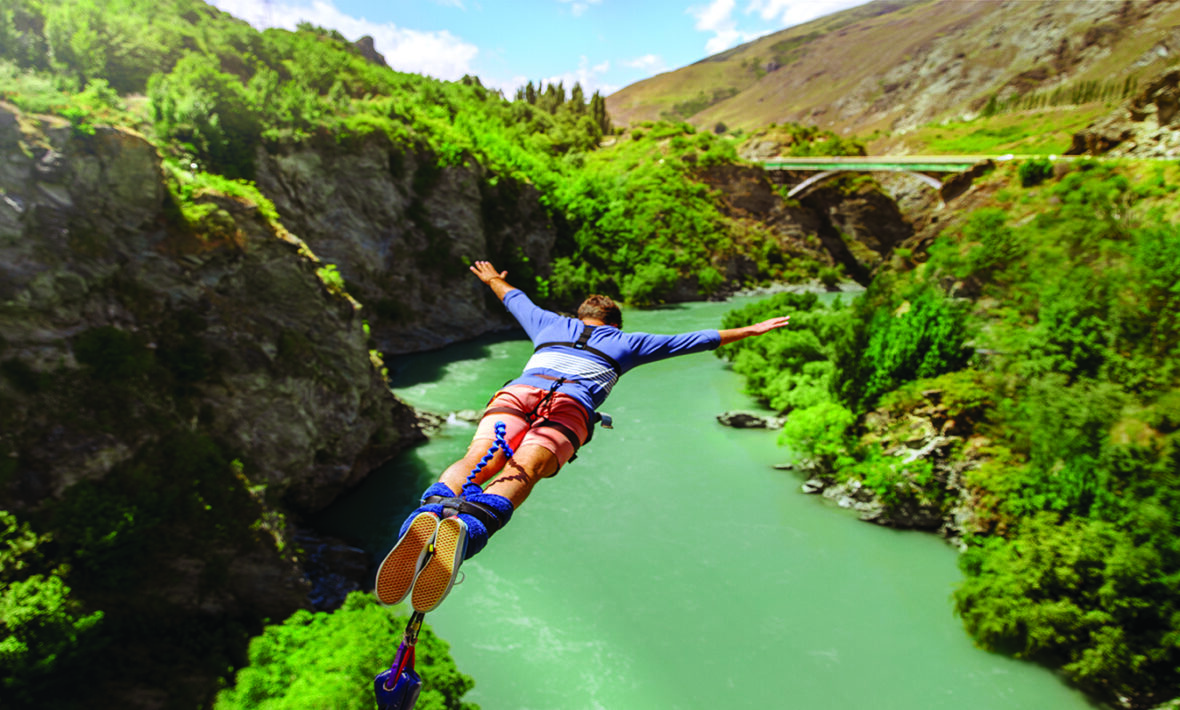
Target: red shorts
<point>561,408</point>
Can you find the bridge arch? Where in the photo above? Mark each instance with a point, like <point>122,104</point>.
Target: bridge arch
<point>822,176</point>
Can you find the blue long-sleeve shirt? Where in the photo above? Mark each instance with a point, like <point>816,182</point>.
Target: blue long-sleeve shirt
<point>590,377</point>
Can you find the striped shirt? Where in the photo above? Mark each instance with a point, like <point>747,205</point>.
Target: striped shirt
<point>590,377</point>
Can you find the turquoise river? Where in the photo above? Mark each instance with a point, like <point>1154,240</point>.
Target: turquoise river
<point>673,567</point>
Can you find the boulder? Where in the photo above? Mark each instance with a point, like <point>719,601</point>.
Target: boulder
<point>748,420</point>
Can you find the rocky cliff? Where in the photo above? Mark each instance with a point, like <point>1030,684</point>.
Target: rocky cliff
<point>103,281</point>
<point>1147,126</point>
<point>402,231</point>
<point>170,393</point>
<point>849,222</point>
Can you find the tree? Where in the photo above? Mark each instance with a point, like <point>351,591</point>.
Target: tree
<point>598,113</point>
<point>210,112</point>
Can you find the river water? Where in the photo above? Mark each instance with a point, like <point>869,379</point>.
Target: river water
<point>671,566</point>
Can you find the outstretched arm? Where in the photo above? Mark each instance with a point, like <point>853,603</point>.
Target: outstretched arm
<point>494,279</point>
<point>734,334</point>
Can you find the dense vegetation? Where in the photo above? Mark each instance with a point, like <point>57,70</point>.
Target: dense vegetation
<point>1045,326</point>
<point>216,88</point>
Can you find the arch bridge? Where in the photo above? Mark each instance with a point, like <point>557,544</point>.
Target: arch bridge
<point>918,166</point>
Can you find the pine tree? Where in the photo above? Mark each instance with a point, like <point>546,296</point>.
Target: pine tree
<point>577,100</point>
<point>598,113</point>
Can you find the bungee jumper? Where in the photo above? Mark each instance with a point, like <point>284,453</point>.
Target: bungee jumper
<point>531,427</point>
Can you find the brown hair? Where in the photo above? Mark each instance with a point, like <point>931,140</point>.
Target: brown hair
<point>602,308</point>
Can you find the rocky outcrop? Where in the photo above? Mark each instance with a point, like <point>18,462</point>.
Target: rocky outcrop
<point>402,230</point>
<point>1148,126</point>
<point>749,420</point>
<point>859,225</point>
<point>265,358</point>
<point>368,50</point>
<point>856,228</point>
<point>928,449</point>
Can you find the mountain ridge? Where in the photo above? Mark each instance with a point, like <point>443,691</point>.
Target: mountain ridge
<point>890,66</point>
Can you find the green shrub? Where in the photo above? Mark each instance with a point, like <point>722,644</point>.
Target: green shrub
<point>43,630</point>
<point>329,660</point>
<point>210,113</point>
<point>822,433</point>
<point>1034,172</point>
<point>922,335</point>
<point>1076,593</point>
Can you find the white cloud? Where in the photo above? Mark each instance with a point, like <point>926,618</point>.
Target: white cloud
<point>717,19</point>
<point>788,13</point>
<point>579,7</point>
<point>648,62</point>
<point>438,54</point>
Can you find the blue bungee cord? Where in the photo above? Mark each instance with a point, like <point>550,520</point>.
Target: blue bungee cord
<point>497,445</point>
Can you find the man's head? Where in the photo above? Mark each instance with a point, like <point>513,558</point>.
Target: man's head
<point>601,308</point>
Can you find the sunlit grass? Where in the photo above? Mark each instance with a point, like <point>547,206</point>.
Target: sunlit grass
<point>1038,132</point>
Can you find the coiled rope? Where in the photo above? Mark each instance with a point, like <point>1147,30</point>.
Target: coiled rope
<point>499,444</point>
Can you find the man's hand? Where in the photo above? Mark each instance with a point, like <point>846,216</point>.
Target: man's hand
<point>768,325</point>
<point>734,334</point>
<point>486,272</point>
<point>495,280</point>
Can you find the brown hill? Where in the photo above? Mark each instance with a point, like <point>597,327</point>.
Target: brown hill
<point>894,65</point>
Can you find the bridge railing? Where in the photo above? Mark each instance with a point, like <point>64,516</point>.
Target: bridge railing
<point>922,163</point>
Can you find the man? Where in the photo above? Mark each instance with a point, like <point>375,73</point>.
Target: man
<point>546,414</point>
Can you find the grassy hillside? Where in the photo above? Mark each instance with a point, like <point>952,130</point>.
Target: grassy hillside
<point>888,68</point>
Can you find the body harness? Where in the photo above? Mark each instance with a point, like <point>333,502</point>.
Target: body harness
<point>538,417</point>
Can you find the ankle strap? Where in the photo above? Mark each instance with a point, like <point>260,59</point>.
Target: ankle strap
<point>455,505</point>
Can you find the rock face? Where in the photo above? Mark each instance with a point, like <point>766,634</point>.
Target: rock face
<point>859,228</point>
<point>270,362</point>
<point>180,386</point>
<point>401,229</point>
<point>856,229</point>
<point>1148,126</point>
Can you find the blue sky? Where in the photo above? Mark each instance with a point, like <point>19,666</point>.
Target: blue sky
<point>603,44</point>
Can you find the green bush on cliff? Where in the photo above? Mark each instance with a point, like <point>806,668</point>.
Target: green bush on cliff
<point>644,226</point>
<point>209,113</point>
<point>43,630</point>
<point>329,660</point>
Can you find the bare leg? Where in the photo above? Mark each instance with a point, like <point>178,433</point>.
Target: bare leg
<point>524,470</point>
<point>456,474</point>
